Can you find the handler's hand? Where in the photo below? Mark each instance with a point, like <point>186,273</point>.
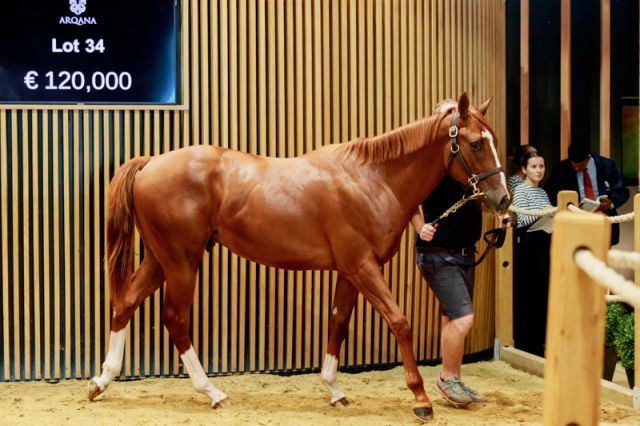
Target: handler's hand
<point>427,232</point>
<point>505,221</point>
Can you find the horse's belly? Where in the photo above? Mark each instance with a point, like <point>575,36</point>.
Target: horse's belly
<point>286,252</point>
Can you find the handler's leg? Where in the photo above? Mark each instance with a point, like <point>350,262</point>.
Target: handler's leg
<point>453,335</point>
<point>452,340</point>
<point>452,286</point>
<point>449,383</point>
<point>145,280</point>
<point>344,299</point>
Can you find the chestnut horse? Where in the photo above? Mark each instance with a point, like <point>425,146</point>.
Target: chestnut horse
<point>342,207</point>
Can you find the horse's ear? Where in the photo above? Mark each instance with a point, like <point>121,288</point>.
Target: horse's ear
<point>463,105</point>
<point>485,106</point>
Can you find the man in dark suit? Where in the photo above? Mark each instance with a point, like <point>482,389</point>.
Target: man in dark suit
<point>579,173</point>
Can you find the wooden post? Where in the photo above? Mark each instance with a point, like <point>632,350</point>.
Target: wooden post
<point>636,362</point>
<point>605,78</point>
<point>565,198</point>
<point>575,330</point>
<point>524,72</point>
<point>504,292</point>
<point>565,77</point>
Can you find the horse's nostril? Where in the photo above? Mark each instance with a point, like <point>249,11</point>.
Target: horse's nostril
<point>504,203</point>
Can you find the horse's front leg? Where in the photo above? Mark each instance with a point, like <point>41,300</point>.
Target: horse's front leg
<point>368,279</point>
<point>344,299</point>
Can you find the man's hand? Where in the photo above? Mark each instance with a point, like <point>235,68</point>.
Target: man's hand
<point>427,232</point>
<point>605,204</point>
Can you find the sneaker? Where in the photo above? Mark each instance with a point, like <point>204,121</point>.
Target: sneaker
<point>452,390</point>
<point>475,396</point>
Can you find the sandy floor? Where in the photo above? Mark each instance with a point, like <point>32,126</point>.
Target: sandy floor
<point>378,398</point>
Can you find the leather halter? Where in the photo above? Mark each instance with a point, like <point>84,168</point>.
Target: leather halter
<point>473,179</point>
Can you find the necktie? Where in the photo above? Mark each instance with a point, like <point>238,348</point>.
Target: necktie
<point>588,186</point>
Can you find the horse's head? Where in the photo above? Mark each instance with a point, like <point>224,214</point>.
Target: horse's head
<point>471,157</point>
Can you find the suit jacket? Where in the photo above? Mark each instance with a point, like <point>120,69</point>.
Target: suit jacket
<point>564,177</point>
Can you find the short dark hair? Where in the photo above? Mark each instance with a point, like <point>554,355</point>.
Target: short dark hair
<point>578,152</point>
<point>524,160</point>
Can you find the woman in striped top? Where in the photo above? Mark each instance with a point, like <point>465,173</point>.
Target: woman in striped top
<point>530,261</point>
<point>515,155</point>
<point>529,195</point>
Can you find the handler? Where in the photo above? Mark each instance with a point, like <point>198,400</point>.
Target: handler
<point>445,260</point>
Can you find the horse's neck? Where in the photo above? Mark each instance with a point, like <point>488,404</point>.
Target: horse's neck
<point>413,176</point>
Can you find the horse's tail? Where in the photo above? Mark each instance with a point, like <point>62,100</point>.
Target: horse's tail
<point>120,224</point>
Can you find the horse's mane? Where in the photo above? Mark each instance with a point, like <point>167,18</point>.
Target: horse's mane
<point>403,140</point>
<point>395,143</point>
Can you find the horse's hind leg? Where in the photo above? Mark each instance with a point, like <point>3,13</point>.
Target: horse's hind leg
<point>344,300</point>
<point>181,283</point>
<point>145,280</point>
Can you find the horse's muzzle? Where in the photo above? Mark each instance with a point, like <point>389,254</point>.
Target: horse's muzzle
<point>495,202</point>
<point>505,201</point>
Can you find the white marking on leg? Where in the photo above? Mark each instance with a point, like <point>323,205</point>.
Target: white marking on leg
<point>335,311</point>
<point>486,134</point>
<point>328,376</point>
<point>113,361</point>
<point>199,378</point>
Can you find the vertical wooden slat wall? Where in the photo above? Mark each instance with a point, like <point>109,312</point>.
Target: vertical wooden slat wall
<point>276,78</point>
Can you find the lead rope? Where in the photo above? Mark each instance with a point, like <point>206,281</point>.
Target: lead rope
<point>496,242</point>
<point>498,233</point>
<point>458,204</point>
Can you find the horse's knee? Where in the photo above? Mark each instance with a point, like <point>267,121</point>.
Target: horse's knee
<point>400,327</point>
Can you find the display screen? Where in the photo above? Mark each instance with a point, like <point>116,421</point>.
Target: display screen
<point>90,51</point>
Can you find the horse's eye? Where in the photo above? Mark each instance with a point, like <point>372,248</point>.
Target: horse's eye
<point>475,145</point>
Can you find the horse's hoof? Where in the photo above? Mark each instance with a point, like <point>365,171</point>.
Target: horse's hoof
<point>423,413</point>
<point>222,403</point>
<point>342,402</point>
<point>93,390</point>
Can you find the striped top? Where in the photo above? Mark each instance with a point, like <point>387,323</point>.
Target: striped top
<point>529,198</point>
<point>513,181</point>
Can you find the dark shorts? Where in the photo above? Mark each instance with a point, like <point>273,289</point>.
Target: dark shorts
<point>450,279</point>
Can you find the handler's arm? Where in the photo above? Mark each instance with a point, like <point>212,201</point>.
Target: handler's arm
<point>417,221</point>
<point>425,231</point>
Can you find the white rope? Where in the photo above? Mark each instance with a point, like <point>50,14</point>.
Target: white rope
<point>628,217</point>
<point>575,209</point>
<point>543,212</point>
<point>613,298</point>
<point>622,218</point>
<point>613,219</point>
<point>607,277</point>
<point>624,259</point>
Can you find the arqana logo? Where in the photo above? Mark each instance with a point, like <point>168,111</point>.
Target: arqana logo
<point>78,6</point>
